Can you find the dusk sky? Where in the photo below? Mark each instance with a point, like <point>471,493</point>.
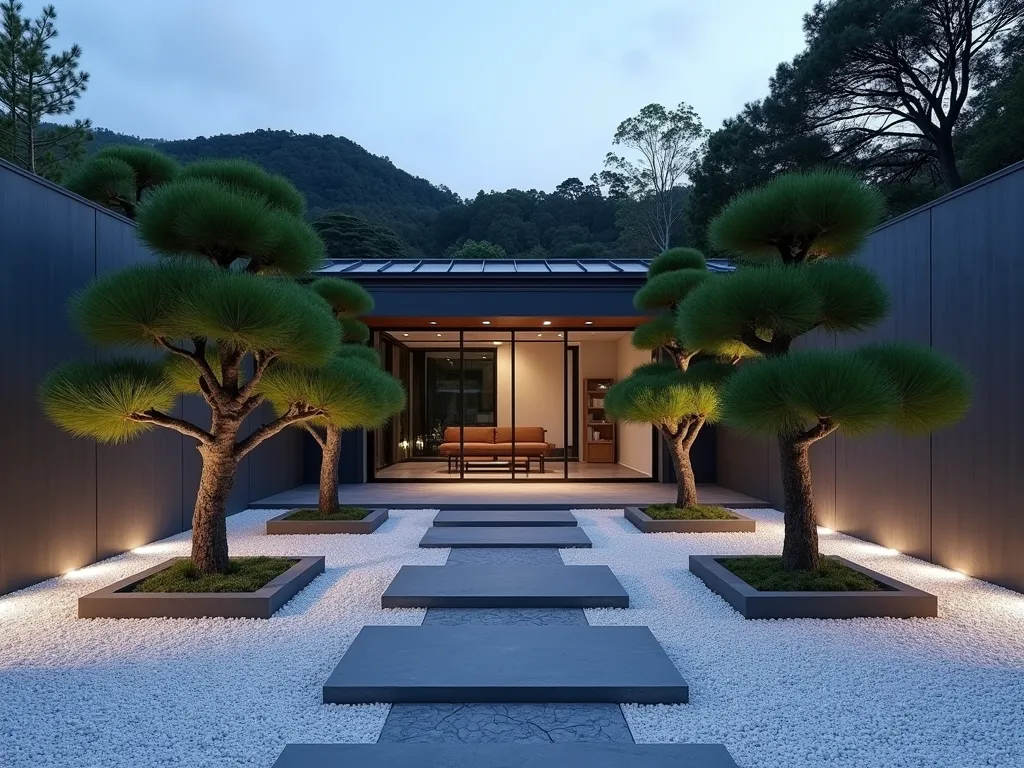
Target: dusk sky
<point>475,94</point>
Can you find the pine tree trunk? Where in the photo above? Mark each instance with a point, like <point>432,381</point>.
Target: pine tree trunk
<point>209,524</point>
<point>800,548</point>
<point>679,450</point>
<point>329,472</point>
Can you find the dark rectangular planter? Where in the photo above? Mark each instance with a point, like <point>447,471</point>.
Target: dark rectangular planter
<point>112,603</point>
<point>900,602</point>
<point>368,524</point>
<point>639,518</point>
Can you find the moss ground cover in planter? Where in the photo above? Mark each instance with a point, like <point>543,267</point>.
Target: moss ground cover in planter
<point>669,518</point>
<point>766,574</point>
<point>345,513</point>
<point>345,520</point>
<point>839,589</point>
<point>699,512</point>
<point>245,574</point>
<point>255,588</point>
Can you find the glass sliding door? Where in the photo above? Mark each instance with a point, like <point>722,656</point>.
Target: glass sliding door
<point>504,405</point>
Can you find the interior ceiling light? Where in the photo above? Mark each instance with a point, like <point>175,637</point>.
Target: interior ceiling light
<point>559,335</point>
<point>433,322</point>
<point>486,322</point>
<point>546,322</point>
<point>439,335</point>
<point>405,334</point>
<point>496,343</point>
<point>589,322</point>
<point>540,334</point>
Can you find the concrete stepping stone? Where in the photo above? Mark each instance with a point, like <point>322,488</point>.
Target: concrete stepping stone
<point>475,663</point>
<point>505,517</point>
<point>505,586</point>
<point>564,755</point>
<point>555,537</point>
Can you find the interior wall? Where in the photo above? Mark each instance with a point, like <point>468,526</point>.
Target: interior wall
<point>633,440</point>
<point>539,398</point>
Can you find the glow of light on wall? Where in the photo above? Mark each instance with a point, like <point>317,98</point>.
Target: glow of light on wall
<point>888,552</point>
<point>157,548</point>
<point>89,571</point>
<point>825,531</point>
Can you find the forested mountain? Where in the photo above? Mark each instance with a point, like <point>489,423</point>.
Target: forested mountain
<point>331,171</point>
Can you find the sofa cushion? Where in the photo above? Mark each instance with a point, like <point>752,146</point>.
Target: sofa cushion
<point>469,449</point>
<point>523,434</point>
<point>522,449</point>
<point>473,434</point>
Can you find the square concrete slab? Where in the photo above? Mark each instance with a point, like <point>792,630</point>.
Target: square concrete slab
<point>574,755</point>
<point>504,517</point>
<point>899,601</point>
<point>555,537</point>
<point>640,519</point>
<point>369,524</point>
<point>505,664</point>
<point>113,603</point>
<point>505,586</point>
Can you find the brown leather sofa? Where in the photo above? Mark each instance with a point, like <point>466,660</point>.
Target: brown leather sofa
<point>494,443</point>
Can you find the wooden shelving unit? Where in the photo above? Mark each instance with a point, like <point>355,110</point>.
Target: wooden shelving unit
<point>599,437</point>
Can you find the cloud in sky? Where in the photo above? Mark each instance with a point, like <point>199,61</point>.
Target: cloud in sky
<point>475,94</point>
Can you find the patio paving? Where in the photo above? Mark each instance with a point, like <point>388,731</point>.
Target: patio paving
<point>483,494</point>
<point>487,537</point>
<point>505,586</point>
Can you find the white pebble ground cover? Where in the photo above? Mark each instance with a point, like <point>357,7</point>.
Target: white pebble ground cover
<point>854,693</point>
<point>208,692</point>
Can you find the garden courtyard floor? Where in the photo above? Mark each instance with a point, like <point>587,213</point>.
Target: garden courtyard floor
<point>868,693</point>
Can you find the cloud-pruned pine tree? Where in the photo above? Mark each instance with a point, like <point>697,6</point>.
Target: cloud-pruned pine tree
<point>791,237</point>
<point>215,315</point>
<point>677,398</point>
<point>352,390</point>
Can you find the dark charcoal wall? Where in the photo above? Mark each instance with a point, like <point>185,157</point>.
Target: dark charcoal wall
<point>956,276</point>
<point>67,502</point>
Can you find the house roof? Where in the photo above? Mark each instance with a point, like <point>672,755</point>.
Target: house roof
<point>505,267</point>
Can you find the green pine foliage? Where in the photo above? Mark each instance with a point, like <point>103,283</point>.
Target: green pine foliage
<point>654,333</point>
<point>852,296</point>
<point>795,392</point>
<point>663,291</point>
<point>764,301</point>
<point>119,176</point>
<point>350,392</point>
<point>347,299</point>
<point>108,181</point>
<point>934,391</point>
<point>676,258</point>
<point>246,175</point>
<point>368,355</point>
<point>176,301</point>
<point>798,216</point>
<point>225,222</point>
<point>96,399</point>
<point>664,395</point>
<point>354,331</point>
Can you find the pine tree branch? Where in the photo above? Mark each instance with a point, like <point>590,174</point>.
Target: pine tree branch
<point>316,435</point>
<point>170,422</point>
<point>294,415</point>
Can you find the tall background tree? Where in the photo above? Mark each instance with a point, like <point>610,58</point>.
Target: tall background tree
<point>887,81</point>
<point>662,146</point>
<point>347,236</point>
<point>792,236</point>
<point>36,84</point>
